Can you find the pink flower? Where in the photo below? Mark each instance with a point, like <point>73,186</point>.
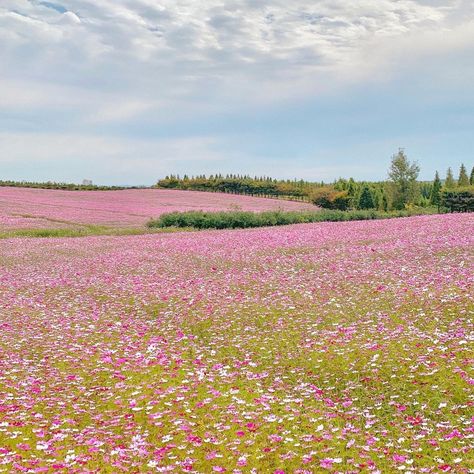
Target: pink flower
<point>454,434</point>
<point>445,467</point>
<point>399,458</point>
<point>23,446</point>
<point>326,463</point>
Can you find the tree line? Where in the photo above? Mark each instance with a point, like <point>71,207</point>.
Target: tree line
<point>62,186</point>
<point>402,190</point>
<point>241,184</point>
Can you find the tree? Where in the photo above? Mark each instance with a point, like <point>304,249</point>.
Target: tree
<point>366,200</point>
<point>403,180</point>
<point>449,182</point>
<point>435,197</point>
<point>463,179</point>
<point>379,199</point>
<point>330,198</point>
<point>471,179</point>
<point>458,200</point>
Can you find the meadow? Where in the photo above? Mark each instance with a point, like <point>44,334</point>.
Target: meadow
<point>28,208</point>
<point>328,347</point>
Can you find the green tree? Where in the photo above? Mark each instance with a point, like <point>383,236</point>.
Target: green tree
<point>366,200</point>
<point>330,198</point>
<point>435,197</point>
<point>463,179</point>
<point>449,182</point>
<point>471,179</point>
<point>458,200</point>
<point>403,180</point>
<point>379,199</point>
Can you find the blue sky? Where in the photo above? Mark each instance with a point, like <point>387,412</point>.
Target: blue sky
<point>127,91</point>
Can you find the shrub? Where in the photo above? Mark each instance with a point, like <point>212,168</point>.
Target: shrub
<point>330,198</point>
<point>242,219</point>
<point>458,199</point>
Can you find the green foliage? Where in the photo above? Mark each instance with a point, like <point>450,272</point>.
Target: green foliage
<point>237,184</point>
<point>86,231</point>
<point>471,178</point>
<point>425,188</point>
<point>242,219</point>
<point>463,179</point>
<point>331,198</point>
<point>459,199</point>
<point>449,182</point>
<point>402,191</point>
<point>366,200</point>
<point>403,185</point>
<point>436,191</point>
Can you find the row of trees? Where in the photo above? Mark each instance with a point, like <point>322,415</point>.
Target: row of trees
<point>452,194</point>
<point>462,181</point>
<point>402,189</point>
<point>241,184</point>
<point>62,186</point>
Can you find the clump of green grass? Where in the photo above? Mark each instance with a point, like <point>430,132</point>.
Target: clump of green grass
<point>245,219</point>
<point>32,233</point>
<point>81,232</point>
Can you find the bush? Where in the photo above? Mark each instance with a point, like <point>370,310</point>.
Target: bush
<point>243,219</point>
<point>458,199</point>
<point>330,198</point>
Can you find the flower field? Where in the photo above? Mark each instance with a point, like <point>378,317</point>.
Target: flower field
<point>45,208</point>
<point>331,347</point>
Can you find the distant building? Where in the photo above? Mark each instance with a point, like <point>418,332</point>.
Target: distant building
<point>87,182</point>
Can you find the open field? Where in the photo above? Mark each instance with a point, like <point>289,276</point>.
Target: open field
<point>331,347</point>
<point>27,208</point>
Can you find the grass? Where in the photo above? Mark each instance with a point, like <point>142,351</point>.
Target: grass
<point>81,232</point>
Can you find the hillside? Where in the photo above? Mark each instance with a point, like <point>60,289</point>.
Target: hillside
<point>304,349</point>
<point>43,208</point>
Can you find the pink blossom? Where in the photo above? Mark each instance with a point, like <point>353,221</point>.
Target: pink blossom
<point>326,463</point>
<point>399,458</point>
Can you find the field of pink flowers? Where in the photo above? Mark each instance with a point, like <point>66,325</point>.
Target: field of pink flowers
<point>45,208</point>
<point>333,347</point>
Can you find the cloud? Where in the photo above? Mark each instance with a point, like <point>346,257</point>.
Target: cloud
<point>139,68</point>
<point>181,49</point>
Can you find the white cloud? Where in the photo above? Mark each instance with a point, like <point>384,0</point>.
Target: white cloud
<point>236,49</point>
<point>71,68</point>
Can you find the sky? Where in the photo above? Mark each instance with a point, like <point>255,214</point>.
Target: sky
<point>128,91</point>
